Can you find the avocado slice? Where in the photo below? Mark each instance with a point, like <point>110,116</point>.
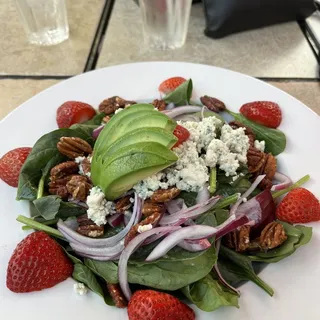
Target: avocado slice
<point>118,175</point>
<point>146,134</point>
<point>112,124</point>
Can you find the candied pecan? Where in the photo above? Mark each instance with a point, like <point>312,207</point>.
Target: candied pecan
<point>79,187</point>
<point>268,168</point>
<point>152,219</point>
<point>110,105</point>
<point>63,169</point>
<point>123,204</point>
<point>159,104</point>
<point>117,296</point>
<point>213,104</point>
<point>165,195</point>
<point>150,207</point>
<point>86,166</point>
<point>272,236</point>
<point>256,159</point>
<point>59,187</point>
<point>73,147</point>
<point>88,228</point>
<point>238,239</point>
<point>248,131</point>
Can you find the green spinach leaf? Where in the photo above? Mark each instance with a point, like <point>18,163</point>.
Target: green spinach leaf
<point>297,237</point>
<point>225,189</point>
<point>208,294</point>
<point>85,130</point>
<point>190,198</point>
<point>274,138</point>
<point>50,207</point>
<point>83,274</point>
<point>96,120</point>
<point>181,95</point>
<point>236,267</point>
<point>43,157</point>
<point>221,215</point>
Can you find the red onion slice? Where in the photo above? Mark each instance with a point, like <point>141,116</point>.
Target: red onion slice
<point>137,207</point>
<point>195,245</point>
<point>129,250</point>
<point>115,220</point>
<point>284,182</point>
<point>99,258</point>
<point>96,131</point>
<point>203,194</point>
<point>101,251</point>
<point>175,205</point>
<point>182,110</point>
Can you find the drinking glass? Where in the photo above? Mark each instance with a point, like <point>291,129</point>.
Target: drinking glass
<point>45,21</point>
<point>165,22</point>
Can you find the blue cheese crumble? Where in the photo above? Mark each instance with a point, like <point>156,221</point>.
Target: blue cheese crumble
<point>99,207</point>
<point>260,145</point>
<point>80,288</point>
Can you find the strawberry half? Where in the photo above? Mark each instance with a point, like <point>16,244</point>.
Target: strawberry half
<point>37,263</point>
<point>299,206</point>
<point>72,112</point>
<point>11,164</point>
<point>171,84</point>
<point>266,113</point>
<point>154,305</point>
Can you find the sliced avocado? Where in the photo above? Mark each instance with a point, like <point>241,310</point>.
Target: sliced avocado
<point>151,134</point>
<point>122,173</point>
<point>112,124</point>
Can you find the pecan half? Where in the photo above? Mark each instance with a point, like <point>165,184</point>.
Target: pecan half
<point>165,195</point>
<point>63,169</point>
<point>110,105</point>
<point>159,104</point>
<point>150,208</point>
<point>152,219</point>
<point>73,147</point>
<point>268,168</point>
<point>272,236</point>
<point>213,104</point>
<point>239,239</point>
<point>86,166</point>
<point>117,296</point>
<point>256,159</point>
<point>123,204</point>
<point>59,187</point>
<point>248,131</point>
<point>79,187</point>
<point>88,228</point>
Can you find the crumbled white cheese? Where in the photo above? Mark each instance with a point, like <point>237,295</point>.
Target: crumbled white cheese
<point>131,200</point>
<point>144,228</point>
<point>99,207</point>
<point>202,132</point>
<point>118,110</point>
<point>244,199</point>
<point>79,161</point>
<point>260,145</point>
<point>80,288</point>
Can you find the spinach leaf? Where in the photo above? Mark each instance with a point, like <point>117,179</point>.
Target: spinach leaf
<point>83,274</point>
<point>181,95</point>
<point>96,120</point>
<point>274,138</point>
<point>85,130</point>
<point>43,157</point>
<point>171,272</point>
<point>73,258</point>
<point>50,207</point>
<point>297,237</point>
<point>207,219</point>
<point>236,267</point>
<point>225,189</point>
<point>208,294</point>
<point>190,198</point>
<point>221,215</point>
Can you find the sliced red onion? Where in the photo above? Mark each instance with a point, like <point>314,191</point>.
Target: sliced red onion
<point>99,258</point>
<point>188,117</point>
<point>195,245</point>
<point>126,218</point>
<point>216,268</point>
<point>284,182</point>
<point>203,194</point>
<point>96,131</point>
<point>236,223</point>
<point>175,205</point>
<point>157,236</point>
<point>137,207</point>
<point>115,220</point>
<point>78,203</point>
<point>182,110</point>
<point>72,223</point>
<point>129,250</point>
<point>101,251</point>
<point>181,216</point>
<point>71,234</point>
<point>170,106</point>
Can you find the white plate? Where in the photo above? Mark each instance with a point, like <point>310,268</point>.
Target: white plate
<point>296,280</point>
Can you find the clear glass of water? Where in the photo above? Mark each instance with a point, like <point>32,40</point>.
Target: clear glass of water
<point>165,22</point>
<point>45,21</point>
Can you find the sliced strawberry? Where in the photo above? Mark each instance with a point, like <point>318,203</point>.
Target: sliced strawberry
<point>299,206</point>
<point>266,113</point>
<point>37,263</point>
<point>72,112</point>
<point>182,134</point>
<point>171,84</point>
<point>154,305</point>
<point>11,164</point>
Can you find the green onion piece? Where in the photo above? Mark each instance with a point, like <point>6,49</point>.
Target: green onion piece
<point>293,186</point>
<point>227,201</point>
<point>213,180</point>
<point>46,222</point>
<point>40,188</point>
<point>40,226</point>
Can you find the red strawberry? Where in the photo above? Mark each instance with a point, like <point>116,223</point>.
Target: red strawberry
<point>170,84</point>
<point>72,112</point>
<point>11,164</point>
<point>154,305</point>
<point>37,263</point>
<point>266,113</point>
<point>299,206</point>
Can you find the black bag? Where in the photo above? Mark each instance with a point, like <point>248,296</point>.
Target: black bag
<point>224,17</point>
